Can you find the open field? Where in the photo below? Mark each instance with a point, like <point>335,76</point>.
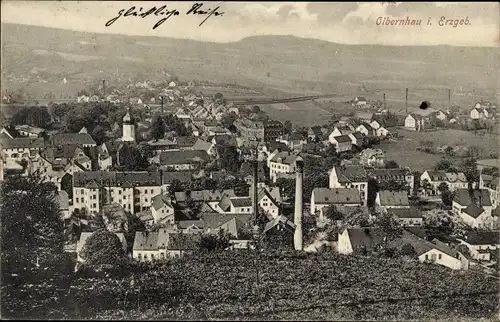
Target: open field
<point>405,152</point>
<point>288,65</point>
<point>272,286</point>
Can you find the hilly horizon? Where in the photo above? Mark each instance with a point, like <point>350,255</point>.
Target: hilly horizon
<point>282,63</point>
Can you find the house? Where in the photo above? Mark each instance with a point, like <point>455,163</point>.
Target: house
<point>172,84</point>
<point>273,129</point>
<point>132,190</point>
<point>162,244</point>
<point>21,148</point>
<point>418,121</point>
<point>392,199</point>
<point>315,133</point>
<point>376,124</point>
<point>283,162</point>
<point>381,132</point>
<point>241,205</point>
<point>162,209</point>
<point>359,101</point>
<point>83,99</point>
<point>342,143</point>
<point>481,113</point>
<point>372,158</point>
<point>474,207</point>
<point>440,115</point>
<point>365,128</point>
<point>339,130</point>
<point>279,232</point>
<point>407,217</point>
<point>453,180</point>
<point>146,217</point>
<point>352,240</point>
<point>324,197</point>
<point>81,139</point>
<point>432,252</point>
<point>491,183</point>
<point>294,141</point>
<point>480,243</point>
<point>356,139</point>
<point>84,236</point>
<point>364,116</point>
<point>26,130</point>
<point>247,168</point>
<point>183,159</point>
<point>402,176</point>
<point>350,177</point>
<point>268,200</point>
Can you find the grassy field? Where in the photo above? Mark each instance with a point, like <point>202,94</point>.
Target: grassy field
<point>272,286</point>
<point>405,152</point>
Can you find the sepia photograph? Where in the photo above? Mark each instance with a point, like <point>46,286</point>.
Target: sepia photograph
<point>286,161</point>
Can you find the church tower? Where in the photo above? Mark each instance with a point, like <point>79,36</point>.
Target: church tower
<point>128,128</point>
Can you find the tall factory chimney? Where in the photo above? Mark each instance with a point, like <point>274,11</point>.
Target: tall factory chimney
<point>104,89</point>
<point>254,190</point>
<point>297,238</point>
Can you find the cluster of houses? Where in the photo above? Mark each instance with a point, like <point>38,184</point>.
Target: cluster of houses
<point>174,219</point>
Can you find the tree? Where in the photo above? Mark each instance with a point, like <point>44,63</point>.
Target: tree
<point>211,242</point>
<point>469,167</point>
<point>227,121</point>
<point>31,222</point>
<point>229,159</point>
<point>444,165</point>
<point>332,213</point>
<point>131,159</point>
<point>134,225</point>
<point>99,135</point>
<point>287,186</point>
<point>373,188</point>
<point>391,164</point>
<point>255,109</point>
<point>443,186</point>
<point>103,248</point>
<point>157,128</point>
<point>390,227</point>
<point>447,197</point>
<point>288,127</point>
<point>33,115</point>
<point>218,96</point>
<point>369,141</point>
<point>408,250</point>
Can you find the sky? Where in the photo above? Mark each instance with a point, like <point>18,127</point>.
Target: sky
<point>347,23</point>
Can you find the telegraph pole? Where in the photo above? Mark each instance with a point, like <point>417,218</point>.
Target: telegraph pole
<point>406,100</point>
<point>449,100</point>
<point>161,98</point>
<point>104,89</point>
<point>384,102</point>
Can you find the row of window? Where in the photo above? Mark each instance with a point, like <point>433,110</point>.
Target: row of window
<point>433,256</point>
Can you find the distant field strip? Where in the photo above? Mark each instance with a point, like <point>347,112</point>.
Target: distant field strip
<point>239,101</point>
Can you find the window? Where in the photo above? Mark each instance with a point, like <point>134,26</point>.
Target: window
<point>426,257</point>
<point>81,191</point>
<point>152,191</point>
<point>119,192</point>
<point>77,200</point>
<point>94,205</point>
<point>439,256</point>
<point>139,256</point>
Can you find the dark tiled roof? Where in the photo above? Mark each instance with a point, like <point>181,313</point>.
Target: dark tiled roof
<point>72,138</point>
<point>139,178</point>
<point>464,197</point>
<point>241,202</point>
<point>482,238</point>
<point>473,211</point>
<point>286,158</point>
<point>186,141</point>
<point>336,196</point>
<point>31,143</point>
<point>393,198</point>
<point>351,174</point>
<point>342,139</point>
<point>182,176</point>
<point>405,212</point>
<point>367,237</point>
<point>183,157</point>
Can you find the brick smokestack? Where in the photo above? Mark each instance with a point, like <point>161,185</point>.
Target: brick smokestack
<point>254,190</point>
<point>297,238</point>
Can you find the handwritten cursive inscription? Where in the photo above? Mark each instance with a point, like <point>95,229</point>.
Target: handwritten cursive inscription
<point>196,9</point>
